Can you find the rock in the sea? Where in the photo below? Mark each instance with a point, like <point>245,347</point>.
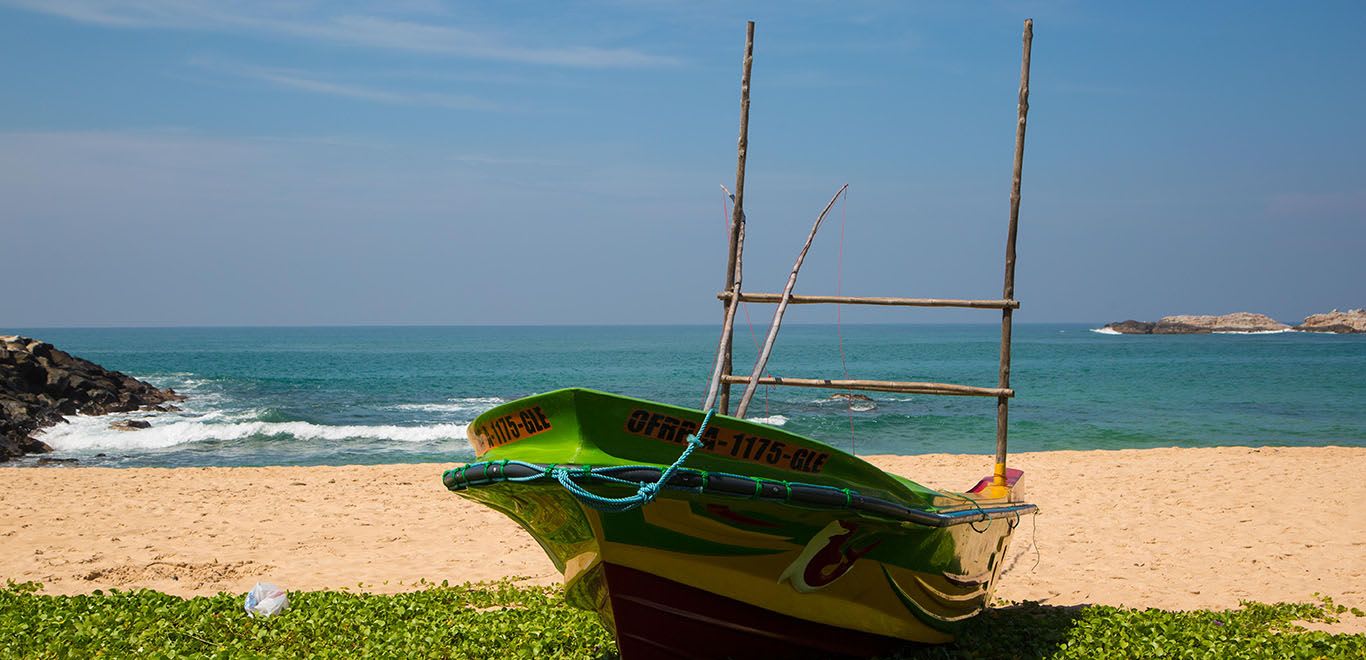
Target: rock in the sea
<point>56,461</point>
<point>1350,321</point>
<point>39,384</point>
<point>1200,325</point>
<point>1131,327</point>
<point>1236,322</point>
<point>130,425</point>
<point>34,446</point>
<point>856,402</point>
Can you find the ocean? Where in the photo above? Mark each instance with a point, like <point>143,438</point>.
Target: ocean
<point>364,395</point>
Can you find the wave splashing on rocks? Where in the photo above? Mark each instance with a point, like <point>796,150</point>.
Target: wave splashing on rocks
<point>40,385</point>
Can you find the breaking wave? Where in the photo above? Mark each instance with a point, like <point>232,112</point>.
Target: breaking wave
<point>771,420</point>
<point>1108,331</point>
<point>474,404</point>
<point>856,405</point>
<point>90,433</point>
<point>211,415</point>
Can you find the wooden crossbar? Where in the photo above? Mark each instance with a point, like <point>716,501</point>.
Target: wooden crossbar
<point>872,300</point>
<point>733,294</point>
<point>877,386</point>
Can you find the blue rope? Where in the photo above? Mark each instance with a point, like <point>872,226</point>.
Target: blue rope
<point>645,493</point>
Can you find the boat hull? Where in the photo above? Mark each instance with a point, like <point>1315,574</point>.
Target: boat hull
<point>660,618</point>
<point>701,575</point>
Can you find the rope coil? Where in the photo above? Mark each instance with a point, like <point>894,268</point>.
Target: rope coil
<point>572,478</point>
<point>645,493</point>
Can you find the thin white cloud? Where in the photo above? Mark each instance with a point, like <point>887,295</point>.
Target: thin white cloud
<point>482,159</point>
<point>294,81</point>
<point>307,82</point>
<point>371,31</point>
<point>171,176</point>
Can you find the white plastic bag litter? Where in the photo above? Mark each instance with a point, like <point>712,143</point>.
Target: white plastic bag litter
<point>266,599</point>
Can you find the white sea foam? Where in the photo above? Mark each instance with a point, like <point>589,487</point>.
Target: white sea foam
<point>771,420</point>
<point>1108,331</point>
<point>856,405</point>
<point>1254,332</point>
<point>204,394</point>
<point>86,433</point>
<point>476,404</point>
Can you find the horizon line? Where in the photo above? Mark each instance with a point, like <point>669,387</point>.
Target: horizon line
<point>9,329</point>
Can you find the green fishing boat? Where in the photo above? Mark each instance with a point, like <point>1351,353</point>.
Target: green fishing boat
<point>695,533</point>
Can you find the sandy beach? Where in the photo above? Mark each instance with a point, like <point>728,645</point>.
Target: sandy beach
<point>1165,528</point>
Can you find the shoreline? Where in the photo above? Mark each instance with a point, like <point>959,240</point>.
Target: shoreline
<point>1172,528</point>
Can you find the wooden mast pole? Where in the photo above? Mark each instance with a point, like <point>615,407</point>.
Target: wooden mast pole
<point>723,350</point>
<point>782,308</point>
<point>1008,293</point>
<point>734,267</point>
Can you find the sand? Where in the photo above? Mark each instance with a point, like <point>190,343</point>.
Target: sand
<point>1165,528</point>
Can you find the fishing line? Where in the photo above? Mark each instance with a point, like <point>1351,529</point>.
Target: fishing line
<point>725,221</point>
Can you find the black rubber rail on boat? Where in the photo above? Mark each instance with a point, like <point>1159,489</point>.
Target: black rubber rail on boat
<point>732,485</point>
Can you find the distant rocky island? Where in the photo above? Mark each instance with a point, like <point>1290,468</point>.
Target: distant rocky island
<point>1351,321</point>
<point>39,384</point>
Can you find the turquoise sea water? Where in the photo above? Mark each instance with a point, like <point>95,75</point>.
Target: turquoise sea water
<point>337,395</point>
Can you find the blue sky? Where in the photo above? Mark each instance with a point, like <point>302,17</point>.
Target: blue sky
<point>177,162</point>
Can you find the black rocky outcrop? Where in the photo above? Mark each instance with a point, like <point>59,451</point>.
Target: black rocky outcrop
<point>39,384</point>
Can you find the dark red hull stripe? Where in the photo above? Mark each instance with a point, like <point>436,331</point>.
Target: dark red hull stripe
<point>660,618</point>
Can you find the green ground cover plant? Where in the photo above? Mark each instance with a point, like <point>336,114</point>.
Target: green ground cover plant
<point>498,620</point>
<point>503,620</point>
<point>1254,630</point>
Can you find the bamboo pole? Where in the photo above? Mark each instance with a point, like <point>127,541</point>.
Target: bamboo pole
<point>1008,291</point>
<point>723,350</point>
<point>872,300</point>
<point>880,386</point>
<point>782,308</point>
<point>737,220</point>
